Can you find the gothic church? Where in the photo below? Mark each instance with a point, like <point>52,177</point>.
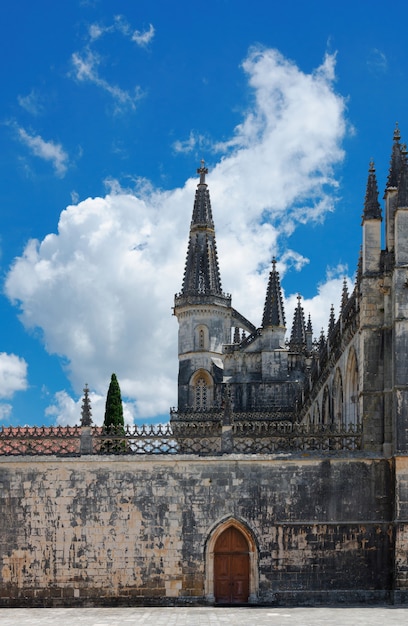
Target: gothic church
<point>282,477</point>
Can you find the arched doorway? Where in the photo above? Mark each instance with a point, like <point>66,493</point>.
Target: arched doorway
<point>231,567</point>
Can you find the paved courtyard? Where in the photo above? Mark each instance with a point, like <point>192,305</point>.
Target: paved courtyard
<point>206,616</point>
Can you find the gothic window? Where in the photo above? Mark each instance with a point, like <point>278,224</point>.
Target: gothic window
<point>201,339</point>
<point>201,391</point>
<point>338,398</point>
<point>201,394</point>
<point>351,395</point>
<point>326,412</point>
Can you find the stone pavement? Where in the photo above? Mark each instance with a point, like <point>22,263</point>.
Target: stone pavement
<point>206,616</point>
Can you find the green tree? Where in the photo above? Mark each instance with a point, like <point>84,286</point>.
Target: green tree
<point>113,420</point>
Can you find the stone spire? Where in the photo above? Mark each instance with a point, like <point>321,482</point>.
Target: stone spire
<point>309,334</point>
<point>322,342</point>
<point>86,419</point>
<point>202,274</point>
<point>396,158</point>
<point>344,295</point>
<point>297,342</point>
<point>372,209</point>
<point>309,327</point>
<point>332,321</point>
<point>273,314</point>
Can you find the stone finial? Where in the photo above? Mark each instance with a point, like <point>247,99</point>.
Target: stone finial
<point>202,171</point>
<point>86,413</point>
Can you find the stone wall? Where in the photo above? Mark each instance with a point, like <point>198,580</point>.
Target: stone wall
<point>109,530</point>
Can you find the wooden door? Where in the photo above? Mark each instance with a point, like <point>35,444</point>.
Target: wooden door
<point>231,568</point>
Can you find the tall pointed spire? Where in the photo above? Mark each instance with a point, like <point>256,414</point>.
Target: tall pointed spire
<point>273,314</point>
<point>202,274</point>
<point>395,165</point>
<point>297,341</point>
<point>372,209</point>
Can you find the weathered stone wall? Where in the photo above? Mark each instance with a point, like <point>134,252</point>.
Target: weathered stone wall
<point>111,529</point>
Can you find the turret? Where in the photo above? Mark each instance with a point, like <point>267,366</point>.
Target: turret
<point>202,309</point>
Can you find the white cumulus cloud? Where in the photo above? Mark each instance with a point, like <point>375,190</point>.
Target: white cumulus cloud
<point>101,289</point>
<point>13,374</point>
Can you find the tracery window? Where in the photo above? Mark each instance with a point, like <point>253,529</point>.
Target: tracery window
<point>201,394</point>
<point>352,413</point>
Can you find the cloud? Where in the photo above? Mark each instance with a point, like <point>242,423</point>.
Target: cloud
<point>5,412</point>
<point>32,103</point>
<point>121,25</point>
<point>143,38</point>
<point>377,61</point>
<point>86,62</point>
<point>47,150</point>
<point>195,140</point>
<point>66,411</point>
<point>101,289</point>
<point>85,65</point>
<point>13,375</point>
<point>328,293</point>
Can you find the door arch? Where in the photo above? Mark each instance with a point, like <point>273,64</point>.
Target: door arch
<point>231,564</point>
<point>231,568</point>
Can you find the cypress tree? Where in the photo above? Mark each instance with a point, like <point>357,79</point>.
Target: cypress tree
<point>113,420</point>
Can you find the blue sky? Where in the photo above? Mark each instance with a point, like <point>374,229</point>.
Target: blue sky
<point>107,109</point>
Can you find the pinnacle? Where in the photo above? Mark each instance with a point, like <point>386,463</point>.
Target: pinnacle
<point>396,161</point>
<point>297,341</point>
<point>273,314</point>
<point>372,209</point>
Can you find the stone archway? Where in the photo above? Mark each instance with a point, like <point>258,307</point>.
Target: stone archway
<point>231,564</point>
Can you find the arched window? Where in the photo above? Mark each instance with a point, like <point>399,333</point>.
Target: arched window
<point>338,398</point>
<point>351,390</point>
<point>326,412</point>
<point>315,414</point>
<point>201,390</point>
<point>201,394</point>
